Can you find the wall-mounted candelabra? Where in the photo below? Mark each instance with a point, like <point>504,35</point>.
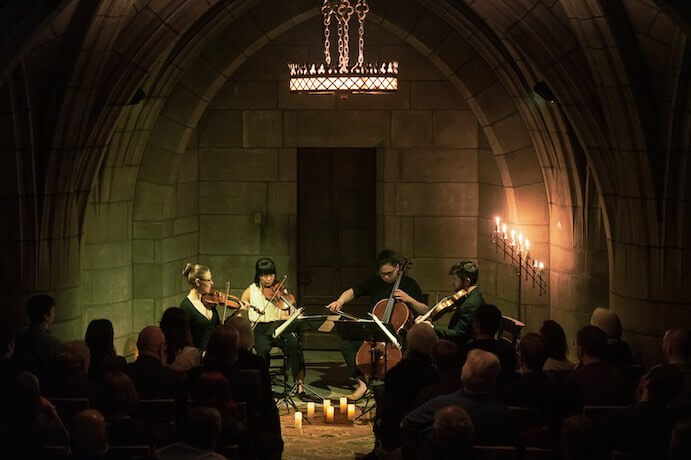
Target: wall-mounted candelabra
<point>516,250</point>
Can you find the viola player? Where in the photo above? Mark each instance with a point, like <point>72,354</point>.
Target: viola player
<point>203,318</point>
<point>266,312</point>
<point>377,288</point>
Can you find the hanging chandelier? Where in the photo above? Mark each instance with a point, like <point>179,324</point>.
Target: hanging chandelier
<point>322,78</point>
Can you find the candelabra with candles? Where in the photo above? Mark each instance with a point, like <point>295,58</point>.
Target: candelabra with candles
<point>517,251</point>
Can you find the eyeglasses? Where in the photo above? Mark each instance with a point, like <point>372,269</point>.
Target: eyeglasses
<point>202,279</point>
<point>388,274</point>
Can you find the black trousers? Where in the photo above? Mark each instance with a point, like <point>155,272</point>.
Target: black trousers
<point>287,342</point>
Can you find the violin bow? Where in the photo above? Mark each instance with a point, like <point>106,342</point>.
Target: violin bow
<point>225,302</point>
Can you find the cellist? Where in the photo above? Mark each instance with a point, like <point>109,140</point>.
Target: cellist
<point>377,288</point>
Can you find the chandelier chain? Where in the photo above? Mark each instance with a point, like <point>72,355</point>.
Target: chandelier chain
<point>362,9</point>
<point>327,12</point>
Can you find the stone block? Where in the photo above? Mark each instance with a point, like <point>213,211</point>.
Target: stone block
<point>172,282</point>
<point>391,232</point>
<point>120,314</point>
<point>439,165</point>
<point>279,235</point>
<point>122,183</point>
<point>246,95</point>
<point>288,100</point>
<point>169,134</point>
<point>187,224</point>
<point>494,103</point>
<point>262,128</point>
<point>112,284</point>
<point>386,199</point>
<point>431,30</point>
<point>232,197</point>
<point>186,199</point>
<point>524,166</point>
<point>108,222</point>
<point>282,198</point>
<point>180,246</point>
<point>411,128</point>
<point>146,229</point>
<point>72,329</point>
<point>492,202</point>
<point>188,167</point>
<point>343,128</point>
<point>236,235</point>
<point>432,274</point>
<point>418,199</point>
<point>244,31</point>
<point>507,282</point>
<point>455,50</point>
<point>270,63</point>
<point>488,170</point>
<point>142,314</point>
<point>455,129</point>
<point>107,254</point>
<point>446,237</point>
<point>407,235</point>
<point>142,251</point>
<point>238,165</point>
<point>146,280</point>
<point>220,128</point>
<point>435,95</point>
<point>182,105</point>
<point>475,74</point>
<point>487,279</point>
<point>511,134</point>
<point>287,165</point>
<point>388,165</point>
<point>411,64</point>
<point>153,201</point>
<point>396,101</point>
<point>221,53</point>
<point>532,201</point>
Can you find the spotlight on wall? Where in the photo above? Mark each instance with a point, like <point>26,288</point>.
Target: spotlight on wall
<point>137,97</point>
<point>544,91</point>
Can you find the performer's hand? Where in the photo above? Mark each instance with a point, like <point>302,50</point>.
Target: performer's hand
<point>402,296</point>
<point>244,305</point>
<point>418,319</point>
<point>428,323</point>
<point>335,306</point>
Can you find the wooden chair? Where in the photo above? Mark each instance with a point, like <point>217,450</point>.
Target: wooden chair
<point>68,407</point>
<point>495,453</point>
<point>534,453</point>
<point>54,452</point>
<point>601,414</point>
<point>510,330</point>
<point>129,452</point>
<point>161,414</point>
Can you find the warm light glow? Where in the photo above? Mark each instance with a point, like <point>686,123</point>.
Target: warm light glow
<point>343,406</point>
<point>366,78</point>
<point>329,414</point>
<point>351,412</point>
<point>310,409</point>
<point>541,266</point>
<point>527,245</point>
<point>298,420</point>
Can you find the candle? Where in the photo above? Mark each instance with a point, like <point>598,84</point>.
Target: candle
<point>329,414</point>
<point>496,219</point>
<point>343,405</point>
<point>503,230</point>
<point>326,403</point>
<point>310,409</point>
<point>542,266</point>
<point>520,240</point>
<point>298,420</point>
<point>513,239</point>
<point>351,412</point>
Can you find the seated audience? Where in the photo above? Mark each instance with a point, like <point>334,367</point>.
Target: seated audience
<point>72,369</point>
<point>402,383</point>
<point>647,427</point>
<point>618,352</point>
<point>580,440</point>
<point>99,337</point>
<point>556,347</point>
<point>181,354</point>
<point>199,437</point>
<point>117,400</point>
<point>453,433</point>
<point>36,349</point>
<point>446,360</point>
<point>485,326</point>
<point>31,421</point>
<point>88,436</point>
<point>490,417</point>
<point>8,369</point>
<point>676,347</point>
<point>596,383</point>
<point>680,444</point>
<point>212,389</point>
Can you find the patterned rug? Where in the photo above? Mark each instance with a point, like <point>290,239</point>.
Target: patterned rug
<point>325,441</point>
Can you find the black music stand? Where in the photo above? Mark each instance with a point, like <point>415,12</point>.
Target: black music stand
<point>300,325</point>
<point>365,331</point>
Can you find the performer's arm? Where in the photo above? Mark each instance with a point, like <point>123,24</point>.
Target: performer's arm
<point>418,307</point>
<point>345,297</point>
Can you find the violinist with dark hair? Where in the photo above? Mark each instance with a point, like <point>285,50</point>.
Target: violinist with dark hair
<point>269,304</point>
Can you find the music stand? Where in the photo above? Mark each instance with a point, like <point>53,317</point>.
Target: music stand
<point>366,331</point>
<point>298,325</point>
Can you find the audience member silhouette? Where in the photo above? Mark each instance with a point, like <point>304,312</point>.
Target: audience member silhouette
<point>556,347</point>
<point>485,326</point>
<point>617,352</point>
<point>36,349</point>
<point>680,444</point>
<point>453,433</point>
<point>100,339</point>
<point>446,360</point>
<point>580,440</point>
<point>596,383</point>
<point>212,389</point>
<point>118,400</point>
<point>199,439</point>
<point>72,369</point>
<point>676,347</point>
<point>89,438</point>
<point>181,354</point>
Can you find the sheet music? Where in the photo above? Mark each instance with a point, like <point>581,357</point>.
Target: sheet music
<point>279,330</point>
<point>383,328</point>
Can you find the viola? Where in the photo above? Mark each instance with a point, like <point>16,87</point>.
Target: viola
<point>442,306</point>
<point>376,358</point>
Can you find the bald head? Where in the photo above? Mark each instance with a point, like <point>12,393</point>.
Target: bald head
<point>88,436</point>
<point>676,345</point>
<point>151,341</point>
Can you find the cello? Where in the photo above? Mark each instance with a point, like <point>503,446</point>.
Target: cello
<point>374,358</point>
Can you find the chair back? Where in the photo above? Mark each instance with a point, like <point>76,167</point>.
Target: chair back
<point>510,330</point>
<point>68,407</point>
<point>129,452</point>
<point>494,453</point>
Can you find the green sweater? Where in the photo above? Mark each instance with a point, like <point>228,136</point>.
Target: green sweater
<point>200,327</point>
<point>461,325</point>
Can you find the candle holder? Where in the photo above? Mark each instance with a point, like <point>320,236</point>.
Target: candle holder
<point>519,255</point>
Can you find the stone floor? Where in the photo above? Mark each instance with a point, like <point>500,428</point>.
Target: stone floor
<point>329,378</point>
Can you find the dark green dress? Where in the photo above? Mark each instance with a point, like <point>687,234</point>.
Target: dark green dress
<point>200,327</point>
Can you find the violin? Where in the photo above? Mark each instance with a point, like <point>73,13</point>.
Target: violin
<point>440,308</point>
<point>216,298</point>
<point>279,295</point>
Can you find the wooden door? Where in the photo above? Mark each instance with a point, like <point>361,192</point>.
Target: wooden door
<point>336,223</point>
